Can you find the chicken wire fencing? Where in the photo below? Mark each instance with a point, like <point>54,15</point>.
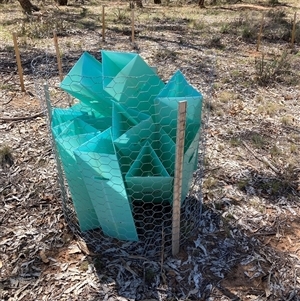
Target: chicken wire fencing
<point>113,123</point>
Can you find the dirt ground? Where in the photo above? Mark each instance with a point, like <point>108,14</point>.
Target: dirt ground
<point>248,244</point>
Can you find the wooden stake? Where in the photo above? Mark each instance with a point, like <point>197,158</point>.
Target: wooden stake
<point>58,58</point>
<point>260,32</point>
<point>18,58</point>
<point>103,23</point>
<point>294,30</point>
<point>132,25</point>
<point>180,136</point>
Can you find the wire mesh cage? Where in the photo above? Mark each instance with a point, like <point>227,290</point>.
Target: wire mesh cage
<point>114,128</point>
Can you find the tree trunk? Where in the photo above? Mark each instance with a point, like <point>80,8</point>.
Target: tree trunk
<point>62,2</point>
<point>28,7</point>
<point>139,3</point>
<point>201,4</point>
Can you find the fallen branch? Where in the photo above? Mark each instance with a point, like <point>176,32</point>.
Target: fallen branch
<point>8,119</point>
<point>264,234</point>
<point>8,79</point>
<point>262,159</point>
<point>20,118</point>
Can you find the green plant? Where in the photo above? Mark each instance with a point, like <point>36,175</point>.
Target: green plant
<point>121,15</point>
<point>243,183</point>
<point>276,69</point>
<point>275,151</point>
<point>197,25</point>
<point>225,28</point>
<point>276,15</point>
<point>216,42</point>
<point>258,141</point>
<point>235,141</point>
<point>83,13</point>
<point>163,54</point>
<point>248,32</point>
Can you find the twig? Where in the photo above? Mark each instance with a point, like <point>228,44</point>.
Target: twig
<point>6,103</point>
<point>5,119</point>
<point>262,159</point>
<point>7,80</point>
<point>8,119</point>
<point>264,234</point>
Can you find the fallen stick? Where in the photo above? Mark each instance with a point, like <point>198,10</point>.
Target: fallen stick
<point>7,119</point>
<point>7,80</point>
<point>262,159</point>
<point>6,103</point>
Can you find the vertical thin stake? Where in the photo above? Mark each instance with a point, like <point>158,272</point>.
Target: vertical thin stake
<point>132,25</point>
<point>294,30</point>
<point>48,102</point>
<point>103,23</point>
<point>58,56</point>
<point>58,162</point>
<point>260,32</point>
<point>180,136</point>
<point>18,58</point>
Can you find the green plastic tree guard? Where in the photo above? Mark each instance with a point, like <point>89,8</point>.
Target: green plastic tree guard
<point>85,211</point>
<point>166,105</point>
<point>117,145</point>
<point>60,116</point>
<point>147,179</point>
<point>85,82</point>
<point>101,172</point>
<point>130,139</point>
<point>130,81</point>
<point>165,149</point>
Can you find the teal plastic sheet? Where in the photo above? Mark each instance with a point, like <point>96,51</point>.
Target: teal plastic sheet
<point>117,144</point>
<point>130,81</point>
<point>100,170</point>
<point>66,143</point>
<point>147,178</point>
<point>85,82</point>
